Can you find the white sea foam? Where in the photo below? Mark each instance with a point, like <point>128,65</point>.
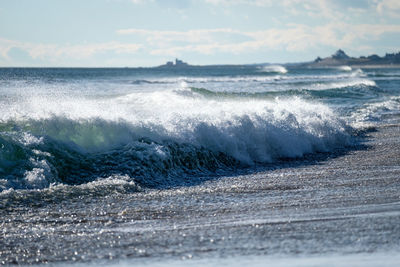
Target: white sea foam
<point>341,84</point>
<point>274,68</point>
<point>345,68</point>
<point>59,192</point>
<point>358,73</point>
<point>372,113</point>
<point>251,130</point>
<point>270,83</point>
<point>236,79</point>
<point>155,132</point>
<point>254,78</point>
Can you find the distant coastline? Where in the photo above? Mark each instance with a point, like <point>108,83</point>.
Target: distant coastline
<point>339,58</point>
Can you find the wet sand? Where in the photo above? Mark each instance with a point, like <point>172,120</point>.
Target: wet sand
<point>336,206</point>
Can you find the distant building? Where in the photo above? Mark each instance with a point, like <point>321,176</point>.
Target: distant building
<point>374,57</point>
<point>180,63</point>
<point>340,54</point>
<point>177,64</point>
<point>318,59</point>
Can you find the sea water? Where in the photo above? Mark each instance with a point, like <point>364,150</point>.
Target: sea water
<point>153,126</point>
<point>93,131</point>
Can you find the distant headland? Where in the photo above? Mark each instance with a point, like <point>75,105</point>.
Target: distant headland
<point>341,58</point>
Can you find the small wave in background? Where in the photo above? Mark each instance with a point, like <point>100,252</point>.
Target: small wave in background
<point>274,69</point>
<point>345,68</point>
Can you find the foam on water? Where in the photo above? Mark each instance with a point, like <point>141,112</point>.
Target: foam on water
<point>342,84</point>
<point>79,153</point>
<point>252,78</point>
<point>165,127</point>
<point>58,192</point>
<point>156,134</point>
<point>345,68</point>
<point>274,68</point>
<point>371,113</point>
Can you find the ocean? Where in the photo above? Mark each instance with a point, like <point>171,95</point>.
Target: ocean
<point>200,165</point>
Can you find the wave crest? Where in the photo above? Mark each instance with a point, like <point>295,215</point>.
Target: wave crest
<point>274,69</point>
<point>344,68</point>
<point>163,146</point>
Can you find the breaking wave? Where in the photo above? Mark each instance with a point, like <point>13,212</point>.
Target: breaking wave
<point>345,68</point>
<point>342,84</point>
<point>371,113</point>
<point>274,69</point>
<point>363,88</point>
<point>156,139</point>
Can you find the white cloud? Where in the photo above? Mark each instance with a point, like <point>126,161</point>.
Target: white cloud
<point>241,2</point>
<point>389,7</point>
<point>319,8</point>
<point>154,37</point>
<point>6,45</point>
<point>139,2</point>
<point>333,10</point>
<point>209,49</point>
<point>296,37</point>
<point>54,52</point>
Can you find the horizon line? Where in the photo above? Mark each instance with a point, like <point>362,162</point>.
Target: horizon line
<point>189,65</point>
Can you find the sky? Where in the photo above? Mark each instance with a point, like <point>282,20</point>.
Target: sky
<point>131,33</point>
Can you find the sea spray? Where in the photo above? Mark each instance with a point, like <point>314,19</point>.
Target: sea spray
<point>164,129</point>
<point>186,133</point>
